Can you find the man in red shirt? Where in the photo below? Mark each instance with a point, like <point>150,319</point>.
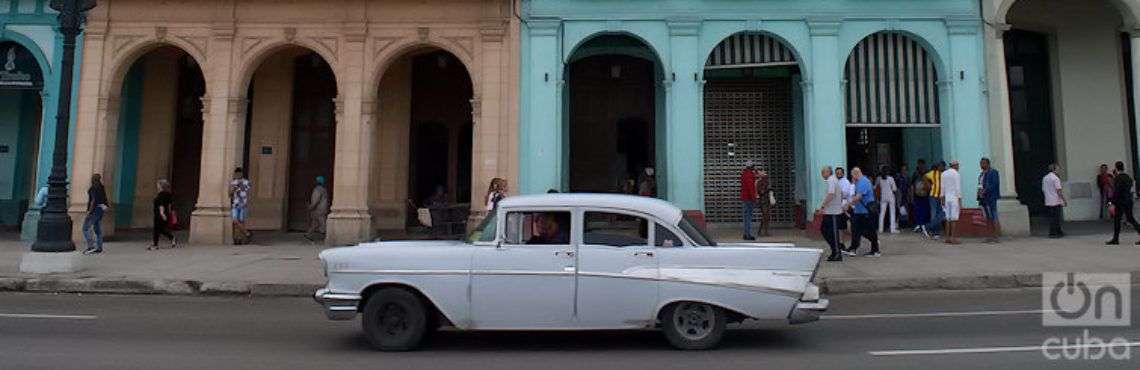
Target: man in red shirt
<point>748,196</point>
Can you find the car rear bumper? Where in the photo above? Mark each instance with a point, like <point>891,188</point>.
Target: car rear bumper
<point>806,312</point>
<point>338,306</point>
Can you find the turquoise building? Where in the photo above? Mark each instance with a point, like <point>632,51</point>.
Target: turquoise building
<point>695,88</point>
<point>30,55</point>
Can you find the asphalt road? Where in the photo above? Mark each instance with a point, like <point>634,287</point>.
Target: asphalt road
<point>152,332</point>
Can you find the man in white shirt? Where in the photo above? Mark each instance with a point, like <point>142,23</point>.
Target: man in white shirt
<point>1054,200</point>
<point>831,209</point>
<point>952,200</point>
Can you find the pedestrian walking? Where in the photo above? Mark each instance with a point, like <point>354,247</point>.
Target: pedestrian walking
<point>887,204</point>
<point>318,209</point>
<point>96,207</point>
<point>163,215</point>
<point>766,200</point>
<point>933,179</point>
<point>862,225</point>
<point>989,191</point>
<point>846,190</point>
<point>1105,186</point>
<point>951,183</point>
<point>920,198</point>
<point>1120,206</point>
<point>239,206</point>
<point>748,197</point>
<point>831,209</point>
<point>902,198</point>
<point>495,192</point>
<point>1054,200</point>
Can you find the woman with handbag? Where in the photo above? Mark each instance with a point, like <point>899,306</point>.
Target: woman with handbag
<point>164,215</point>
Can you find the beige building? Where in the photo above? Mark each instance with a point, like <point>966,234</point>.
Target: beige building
<point>1060,90</point>
<point>387,100</point>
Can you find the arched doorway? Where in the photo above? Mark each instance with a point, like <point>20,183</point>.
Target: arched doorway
<point>892,103</point>
<point>290,137</point>
<point>424,144</point>
<point>615,110</point>
<point>21,112</point>
<point>753,112</point>
<point>159,135</point>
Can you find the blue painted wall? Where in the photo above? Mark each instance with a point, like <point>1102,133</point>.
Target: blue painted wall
<point>683,32</point>
<point>32,24</point>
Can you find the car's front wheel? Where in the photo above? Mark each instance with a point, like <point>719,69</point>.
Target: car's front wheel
<point>395,320</point>
<point>693,325</point>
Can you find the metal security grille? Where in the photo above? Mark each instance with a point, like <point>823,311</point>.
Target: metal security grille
<point>891,80</point>
<point>750,50</point>
<point>748,120</point>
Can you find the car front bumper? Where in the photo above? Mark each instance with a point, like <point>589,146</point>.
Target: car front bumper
<point>338,306</point>
<point>806,312</point>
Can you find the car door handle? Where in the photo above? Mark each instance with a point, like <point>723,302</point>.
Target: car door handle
<point>564,253</point>
<point>643,253</point>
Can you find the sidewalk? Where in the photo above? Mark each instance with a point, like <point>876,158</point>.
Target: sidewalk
<point>288,266</point>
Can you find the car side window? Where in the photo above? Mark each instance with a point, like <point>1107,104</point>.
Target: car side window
<point>614,229</point>
<point>538,228</point>
<point>665,238</point>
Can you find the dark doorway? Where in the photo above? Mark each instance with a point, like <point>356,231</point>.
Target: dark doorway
<point>186,160</point>
<point>1031,113</point>
<point>611,120</point>
<point>441,130</point>
<point>870,148</point>
<point>312,136</point>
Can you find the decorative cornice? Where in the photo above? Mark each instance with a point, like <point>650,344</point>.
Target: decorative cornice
<point>684,27</point>
<point>824,26</point>
<point>999,29</point>
<point>962,26</point>
<point>492,30</point>
<point>544,26</point>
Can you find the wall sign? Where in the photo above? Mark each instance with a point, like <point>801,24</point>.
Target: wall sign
<point>266,150</point>
<point>18,68</point>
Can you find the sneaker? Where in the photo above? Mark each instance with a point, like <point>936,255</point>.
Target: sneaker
<point>936,237</point>
<point>918,229</point>
<point>872,254</point>
<point>1113,242</point>
<point>749,237</point>
<point>849,253</point>
<point>924,233</point>
<point>835,258</point>
<point>89,251</point>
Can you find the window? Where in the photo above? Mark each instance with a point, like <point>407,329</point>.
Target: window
<point>538,228</point>
<point>615,230</point>
<point>485,232</point>
<point>665,238</point>
<point>696,233</point>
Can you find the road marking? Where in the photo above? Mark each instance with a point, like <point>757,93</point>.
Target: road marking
<point>44,316</point>
<point>932,314</point>
<point>958,351</point>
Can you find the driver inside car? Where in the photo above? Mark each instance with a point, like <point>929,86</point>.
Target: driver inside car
<point>548,230</point>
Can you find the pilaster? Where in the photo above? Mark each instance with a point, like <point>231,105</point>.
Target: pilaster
<point>684,131</point>
<point>223,115</point>
<point>541,127</point>
<point>825,131</point>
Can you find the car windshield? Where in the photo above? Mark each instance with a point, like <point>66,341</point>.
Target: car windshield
<point>698,234</point>
<point>485,232</point>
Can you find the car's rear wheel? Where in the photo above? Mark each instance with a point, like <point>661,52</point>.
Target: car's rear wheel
<point>693,325</point>
<point>395,320</point>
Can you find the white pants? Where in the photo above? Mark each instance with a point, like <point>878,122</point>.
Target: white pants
<point>883,207</point>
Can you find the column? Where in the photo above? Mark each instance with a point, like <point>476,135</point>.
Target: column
<point>90,120</point>
<point>967,127</point>
<point>541,161</point>
<point>349,221</point>
<point>1134,38</point>
<point>1013,215</point>
<point>488,113</point>
<point>684,143</point>
<point>223,131</point>
<point>825,133</point>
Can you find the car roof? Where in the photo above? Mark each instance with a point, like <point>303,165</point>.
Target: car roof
<point>666,211</point>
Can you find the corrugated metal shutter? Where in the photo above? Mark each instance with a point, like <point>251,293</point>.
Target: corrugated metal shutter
<point>750,50</point>
<point>891,80</point>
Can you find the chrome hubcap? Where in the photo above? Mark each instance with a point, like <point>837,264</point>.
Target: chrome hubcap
<point>694,321</point>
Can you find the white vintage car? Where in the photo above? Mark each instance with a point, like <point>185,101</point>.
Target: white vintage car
<point>570,262</point>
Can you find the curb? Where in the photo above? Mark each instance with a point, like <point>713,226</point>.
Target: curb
<point>840,286</point>
<point>123,285</point>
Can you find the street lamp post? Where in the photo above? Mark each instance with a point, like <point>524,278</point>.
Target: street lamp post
<point>54,232</point>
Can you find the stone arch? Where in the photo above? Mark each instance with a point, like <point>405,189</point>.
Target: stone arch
<point>394,50</point>
<point>1129,10</point>
<point>32,47</point>
<point>567,57</point>
<point>786,42</point>
<point>252,60</point>
<point>122,60</point>
<point>941,65</point>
